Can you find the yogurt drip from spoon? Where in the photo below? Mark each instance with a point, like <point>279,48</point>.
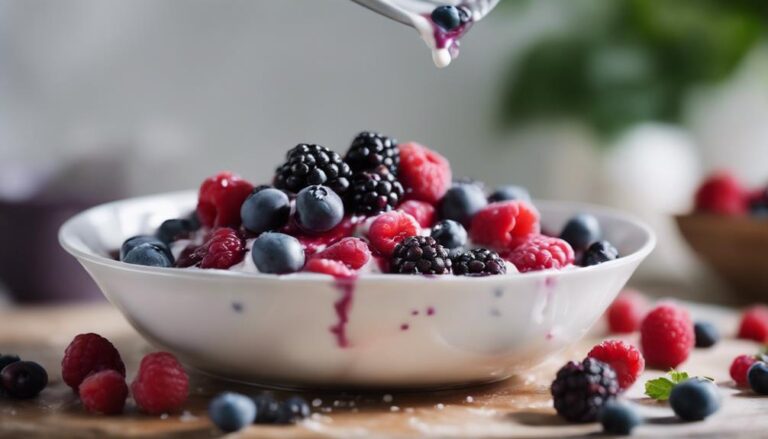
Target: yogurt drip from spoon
<point>417,14</point>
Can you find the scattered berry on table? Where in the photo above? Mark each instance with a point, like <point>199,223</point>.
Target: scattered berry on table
<point>706,334</point>
<point>449,234</point>
<point>220,199</point>
<point>420,255</point>
<point>580,390</point>
<point>174,229</point>
<point>447,17</point>
<point>619,418</point>
<point>626,312</point>
<point>161,385</point>
<point>694,399</point>
<point>757,375</point>
<point>222,250</point>
<point>87,354</point>
<point>666,336</point>
<point>721,194</point>
<point>369,150</point>
<point>232,411</point>
<point>308,165</point>
<point>277,253</point>
<point>23,379</point>
<point>599,252</point>
<point>425,174</point>
<point>758,203</point>
<point>510,193</point>
<point>373,192</point>
<point>504,225</point>
<point>423,213</point>
<point>265,210</point>
<point>581,231</point>
<point>104,392</point>
<point>267,409</point>
<point>150,255</point>
<point>337,269</point>
<point>739,368</point>
<point>388,229</point>
<point>541,252</point>
<point>7,359</point>
<point>318,209</point>
<point>353,252</point>
<point>754,324</point>
<point>292,410</point>
<point>461,202</point>
<point>625,359</point>
<point>478,262</point>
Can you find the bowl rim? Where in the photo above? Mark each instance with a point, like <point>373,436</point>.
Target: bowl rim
<point>65,236</point>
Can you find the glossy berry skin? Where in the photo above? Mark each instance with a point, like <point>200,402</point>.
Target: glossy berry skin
<point>739,368</point>
<point>104,392</point>
<point>174,229</point>
<point>135,241</point>
<point>580,390</point>
<point>293,409</point>
<point>447,17</point>
<point>581,231</point>
<point>277,253</point>
<point>541,252</point>
<point>420,255</point>
<point>706,334</point>
<point>23,379</point>
<point>87,354</point>
<point>503,225</point>
<point>757,375</point>
<point>370,150</point>
<point>754,324</point>
<point>619,418</point>
<point>666,336</point>
<point>599,252</point>
<point>462,202</point>
<point>626,312</point>
<point>694,399</point>
<point>232,411</point>
<point>220,198</point>
<point>318,209</point>
<point>267,409</point>
<point>510,193</point>
<point>148,254</point>
<point>425,174</point>
<point>449,234</point>
<point>308,165</point>
<point>625,359</point>
<point>161,385</point>
<point>721,194</point>
<point>478,262</point>
<point>265,210</point>
<point>7,359</point>
<point>389,229</point>
<point>352,252</point>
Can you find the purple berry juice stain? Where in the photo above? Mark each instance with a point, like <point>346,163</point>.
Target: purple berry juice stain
<point>237,307</point>
<point>342,307</point>
<point>415,312</point>
<point>430,311</point>
<point>404,327</point>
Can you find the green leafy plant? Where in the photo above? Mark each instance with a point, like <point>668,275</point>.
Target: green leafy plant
<point>660,388</point>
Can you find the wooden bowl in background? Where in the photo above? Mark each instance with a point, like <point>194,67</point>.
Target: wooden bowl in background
<point>735,247</point>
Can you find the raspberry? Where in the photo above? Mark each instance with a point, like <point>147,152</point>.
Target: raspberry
<point>754,324</point>
<point>424,213</point>
<point>504,224</point>
<point>353,252</point>
<point>541,252</point>
<point>86,354</point>
<point>220,199</point>
<point>666,336</point>
<point>388,229</point>
<point>625,359</point>
<point>425,174</point>
<point>336,269</point>
<point>162,385</point>
<point>222,250</point>
<point>626,312</point>
<point>722,194</point>
<point>739,369</point>
<point>580,390</point>
<point>104,392</point>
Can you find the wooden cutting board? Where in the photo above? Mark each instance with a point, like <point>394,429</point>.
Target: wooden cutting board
<point>519,407</point>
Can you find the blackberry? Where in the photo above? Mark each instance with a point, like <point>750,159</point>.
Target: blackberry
<point>308,165</point>
<point>580,390</point>
<point>478,262</point>
<point>370,150</point>
<point>374,192</point>
<point>420,255</point>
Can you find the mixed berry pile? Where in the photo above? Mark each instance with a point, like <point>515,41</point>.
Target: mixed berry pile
<point>723,194</point>
<point>389,206</point>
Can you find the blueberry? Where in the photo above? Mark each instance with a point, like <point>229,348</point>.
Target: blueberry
<point>318,209</point>
<point>599,252</point>
<point>266,209</point>
<point>8,359</point>
<point>694,399</point>
<point>758,378</point>
<point>293,409</point>
<point>510,193</point>
<point>706,334</point>
<point>173,229</point>
<point>447,17</point>
<point>267,409</point>
<point>619,418</point>
<point>449,234</point>
<point>194,221</point>
<point>135,241</point>
<point>277,253</point>
<point>149,254</point>
<point>462,202</point>
<point>581,231</point>
<point>23,379</point>
<point>232,411</point>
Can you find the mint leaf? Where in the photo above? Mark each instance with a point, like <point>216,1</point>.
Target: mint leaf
<point>677,377</point>
<point>659,389</point>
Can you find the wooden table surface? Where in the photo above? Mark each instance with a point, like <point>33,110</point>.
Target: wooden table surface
<point>519,407</point>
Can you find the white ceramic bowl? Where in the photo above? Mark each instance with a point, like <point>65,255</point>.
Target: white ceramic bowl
<point>401,331</point>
